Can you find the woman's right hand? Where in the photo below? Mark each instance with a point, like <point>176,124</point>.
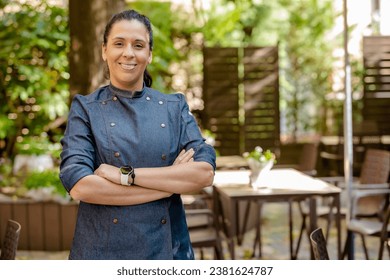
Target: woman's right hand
<point>184,157</point>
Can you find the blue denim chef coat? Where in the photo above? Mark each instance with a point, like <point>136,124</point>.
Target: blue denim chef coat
<point>148,129</point>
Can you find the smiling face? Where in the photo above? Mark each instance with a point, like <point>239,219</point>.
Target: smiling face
<point>127,53</point>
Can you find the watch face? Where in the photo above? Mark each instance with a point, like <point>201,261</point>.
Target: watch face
<point>125,170</point>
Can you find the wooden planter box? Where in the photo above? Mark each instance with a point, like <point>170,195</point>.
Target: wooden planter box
<point>46,226</point>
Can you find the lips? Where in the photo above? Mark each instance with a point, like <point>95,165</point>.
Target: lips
<point>127,66</point>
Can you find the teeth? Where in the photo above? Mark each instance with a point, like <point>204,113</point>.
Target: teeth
<point>128,66</point>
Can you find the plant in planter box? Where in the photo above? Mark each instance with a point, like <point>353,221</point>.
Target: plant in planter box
<point>45,185</point>
<point>35,153</point>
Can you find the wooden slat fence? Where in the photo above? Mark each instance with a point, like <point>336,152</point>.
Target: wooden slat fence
<point>261,87</point>
<point>376,100</point>
<point>241,95</point>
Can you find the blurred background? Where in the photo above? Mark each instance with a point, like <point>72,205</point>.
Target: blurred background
<point>254,72</point>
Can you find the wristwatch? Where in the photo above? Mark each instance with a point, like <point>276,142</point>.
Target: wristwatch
<point>126,172</point>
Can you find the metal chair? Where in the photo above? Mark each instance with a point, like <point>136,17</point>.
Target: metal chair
<point>201,224</point>
<point>10,241</point>
<point>374,175</point>
<point>318,243</point>
<point>379,227</point>
<point>203,232</point>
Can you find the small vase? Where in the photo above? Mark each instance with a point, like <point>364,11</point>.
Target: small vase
<point>258,171</point>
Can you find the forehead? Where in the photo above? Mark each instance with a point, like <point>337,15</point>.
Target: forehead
<point>129,29</point>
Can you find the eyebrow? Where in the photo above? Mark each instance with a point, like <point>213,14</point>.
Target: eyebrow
<point>122,38</point>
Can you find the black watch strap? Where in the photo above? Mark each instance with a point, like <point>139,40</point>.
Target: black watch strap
<point>132,178</point>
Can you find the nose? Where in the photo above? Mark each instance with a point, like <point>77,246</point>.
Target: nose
<point>128,51</point>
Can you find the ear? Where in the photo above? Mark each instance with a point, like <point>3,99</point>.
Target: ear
<point>104,48</point>
<point>150,57</point>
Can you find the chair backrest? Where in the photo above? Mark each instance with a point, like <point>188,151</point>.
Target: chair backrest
<point>375,170</point>
<point>10,241</point>
<point>318,243</point>
<point>376,167</point>
<point>308,158</point>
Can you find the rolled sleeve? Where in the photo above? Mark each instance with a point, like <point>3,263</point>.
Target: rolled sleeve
<point>192,137</point>
<point>78,149</point>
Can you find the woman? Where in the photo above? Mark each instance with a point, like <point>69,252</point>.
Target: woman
<point>129,151</point>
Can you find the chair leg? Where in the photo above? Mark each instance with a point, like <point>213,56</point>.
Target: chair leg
<point>388,247</point>
<point>344,253</point>
<point>257,239</point>
<point>255,242</point>
<point>384,243</point>
<point>364,246</point>
<point>330,220</point>
<point>218,254</point>
<point>218,248</point>
<point>381,247</point>
<point>302,230</point>
<point>201,254</point>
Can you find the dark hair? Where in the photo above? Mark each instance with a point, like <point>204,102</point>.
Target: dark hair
<point>132,15</point>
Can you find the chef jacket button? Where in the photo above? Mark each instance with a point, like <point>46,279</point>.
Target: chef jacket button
<point>163,156</point>
<point>112,124</point>
<point>117,154</point>
<point>163,221</point>
<point>147,98</point>
<point>161,102</point>
<point>104,102</point>
<point>115,220</point>
<point>115,98</point>
<point>163,125</point>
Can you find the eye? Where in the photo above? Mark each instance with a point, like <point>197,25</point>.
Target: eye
<point>138,46</point>
<point>118,44</point>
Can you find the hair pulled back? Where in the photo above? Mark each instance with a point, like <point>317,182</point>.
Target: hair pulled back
<point>130,15</point>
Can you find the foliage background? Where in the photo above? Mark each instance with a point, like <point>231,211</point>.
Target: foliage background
<point>33,76</point>
<point>34,68</point>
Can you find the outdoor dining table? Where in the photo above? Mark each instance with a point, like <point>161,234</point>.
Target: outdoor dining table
<point>231,187</point>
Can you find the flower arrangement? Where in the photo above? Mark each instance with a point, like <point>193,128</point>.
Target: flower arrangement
<point>258,154</point>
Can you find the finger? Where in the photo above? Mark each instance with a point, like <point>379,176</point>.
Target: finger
<point>187,156</point>
<point>178,159</point>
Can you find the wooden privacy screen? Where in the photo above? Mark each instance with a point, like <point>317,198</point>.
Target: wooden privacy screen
<point>220,94</point>
<point>376,99</point>
<point>241,95</point>
<point>261,87</point>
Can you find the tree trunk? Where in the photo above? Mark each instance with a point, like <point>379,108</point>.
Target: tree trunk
<point>87,20</point>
